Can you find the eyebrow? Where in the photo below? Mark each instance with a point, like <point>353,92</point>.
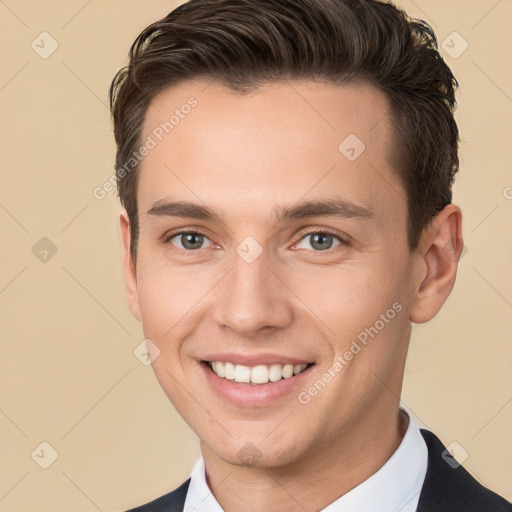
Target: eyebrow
<point>335,207</point>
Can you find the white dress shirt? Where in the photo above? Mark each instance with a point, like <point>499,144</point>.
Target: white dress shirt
<point>395,487</point>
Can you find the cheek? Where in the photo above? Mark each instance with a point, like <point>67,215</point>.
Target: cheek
<point>168,296</point>
<point>156,305</point>
<point>346,298</point>
<point>359,308</point>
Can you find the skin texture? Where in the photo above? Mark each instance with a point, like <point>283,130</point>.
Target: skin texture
<point>243,156</point>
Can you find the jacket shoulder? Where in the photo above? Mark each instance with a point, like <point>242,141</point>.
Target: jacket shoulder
<point>173,501</point>
<point>448,487</point>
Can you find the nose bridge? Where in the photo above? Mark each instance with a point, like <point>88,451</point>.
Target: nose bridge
<point>252,297</point>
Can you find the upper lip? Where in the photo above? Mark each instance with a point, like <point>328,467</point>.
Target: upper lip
<point>255,359</point>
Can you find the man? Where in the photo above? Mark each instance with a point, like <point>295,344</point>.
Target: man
<point>286,170</point>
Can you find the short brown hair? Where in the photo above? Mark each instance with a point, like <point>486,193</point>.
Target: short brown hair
<point>243,44</point>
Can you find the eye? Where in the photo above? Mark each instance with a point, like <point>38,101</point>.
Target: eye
<point>187,240</point>
<point>321,240</point>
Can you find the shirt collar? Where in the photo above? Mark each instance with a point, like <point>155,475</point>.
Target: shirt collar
<point>395,487</point>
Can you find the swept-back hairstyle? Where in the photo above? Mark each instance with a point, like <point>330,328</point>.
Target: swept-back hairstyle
<point>243,44</point>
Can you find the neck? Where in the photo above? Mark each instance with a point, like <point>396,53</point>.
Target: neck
<point>331,470</point>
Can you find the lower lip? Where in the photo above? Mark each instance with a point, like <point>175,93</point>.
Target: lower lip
<point>250,395</point>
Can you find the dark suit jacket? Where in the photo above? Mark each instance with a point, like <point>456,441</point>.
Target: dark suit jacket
<point>445,489</point>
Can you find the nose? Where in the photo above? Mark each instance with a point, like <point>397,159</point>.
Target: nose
<point>253,297</point>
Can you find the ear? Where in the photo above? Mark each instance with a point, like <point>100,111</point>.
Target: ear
<point>439,251</point>
<point>129,270</point>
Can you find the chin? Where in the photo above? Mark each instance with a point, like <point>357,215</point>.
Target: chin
<point>257,454</point>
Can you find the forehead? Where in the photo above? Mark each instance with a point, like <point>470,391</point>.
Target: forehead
<point>279,144</point>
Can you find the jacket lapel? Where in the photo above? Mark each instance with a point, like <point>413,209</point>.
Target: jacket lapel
<point>448,487</point>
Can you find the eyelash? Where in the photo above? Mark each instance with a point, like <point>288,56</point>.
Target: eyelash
<point>324,231</point>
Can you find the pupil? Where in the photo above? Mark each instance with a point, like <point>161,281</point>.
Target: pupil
<point>320,240</point>
<point>188,240</point>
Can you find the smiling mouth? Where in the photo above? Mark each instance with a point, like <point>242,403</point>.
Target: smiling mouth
<point>255,375</point>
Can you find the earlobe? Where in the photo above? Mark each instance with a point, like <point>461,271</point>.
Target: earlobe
<point>439,250</point>
<point>129,266</point>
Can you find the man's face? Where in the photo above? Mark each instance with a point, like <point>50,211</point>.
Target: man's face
<point>258,287</point>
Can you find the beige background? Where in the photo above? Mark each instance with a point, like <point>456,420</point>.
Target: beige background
<point>68,372</point>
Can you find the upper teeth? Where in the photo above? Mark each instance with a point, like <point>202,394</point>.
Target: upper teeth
<point>259,374</point>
